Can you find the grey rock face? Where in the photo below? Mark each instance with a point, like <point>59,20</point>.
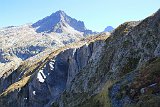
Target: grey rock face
<point>61,70</point>
<point>129,48</point>
<point>54,77</point>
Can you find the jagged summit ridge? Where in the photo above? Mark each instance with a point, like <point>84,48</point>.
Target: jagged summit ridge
<point>58,21</point>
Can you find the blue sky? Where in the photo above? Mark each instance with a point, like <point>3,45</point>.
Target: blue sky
<point>96,14</point>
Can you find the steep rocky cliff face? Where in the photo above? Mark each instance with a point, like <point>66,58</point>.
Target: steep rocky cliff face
<point>42,82</point>
<point>122,71</point>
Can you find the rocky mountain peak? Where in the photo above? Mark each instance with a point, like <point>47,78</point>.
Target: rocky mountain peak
<point>108,29</point>
<point>58,21</point>
<point>60,13</point>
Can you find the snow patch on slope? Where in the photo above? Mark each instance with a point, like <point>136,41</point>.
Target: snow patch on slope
<point>41,76</point>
